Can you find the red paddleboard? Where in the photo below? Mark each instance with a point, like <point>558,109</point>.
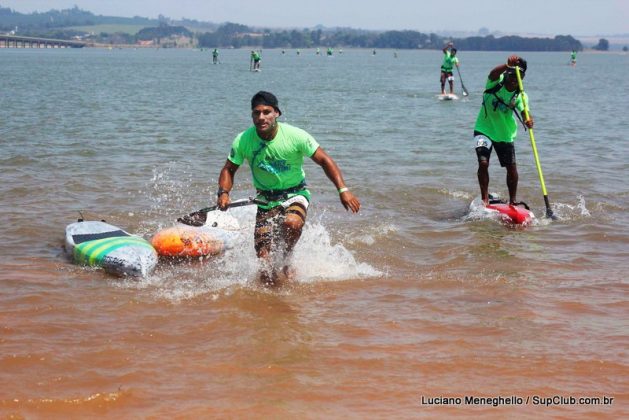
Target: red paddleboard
<point>497,209</point>
<point>512,213</point>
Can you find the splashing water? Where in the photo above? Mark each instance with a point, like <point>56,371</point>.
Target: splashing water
<point>315,258</point>
<point>569,212</point>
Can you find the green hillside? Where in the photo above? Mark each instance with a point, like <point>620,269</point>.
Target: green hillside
<point>109,28</point>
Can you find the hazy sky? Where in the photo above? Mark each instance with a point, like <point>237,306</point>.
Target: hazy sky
<point>551,17</point>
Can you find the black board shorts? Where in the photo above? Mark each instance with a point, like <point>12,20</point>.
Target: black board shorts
<point>504,150</point>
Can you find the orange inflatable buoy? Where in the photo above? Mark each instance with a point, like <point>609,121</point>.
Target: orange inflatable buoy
<point>187,241</point>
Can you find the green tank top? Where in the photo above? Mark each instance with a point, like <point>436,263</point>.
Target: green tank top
<point>495,119</point>
<point>449,61</point>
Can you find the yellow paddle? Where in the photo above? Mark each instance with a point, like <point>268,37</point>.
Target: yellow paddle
<point>549,211</point>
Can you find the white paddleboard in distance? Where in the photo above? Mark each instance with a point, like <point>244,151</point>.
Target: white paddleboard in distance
<point>447,97</point>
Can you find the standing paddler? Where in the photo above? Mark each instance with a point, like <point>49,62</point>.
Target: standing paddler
<point>496,126</point>
<point>449,61</point>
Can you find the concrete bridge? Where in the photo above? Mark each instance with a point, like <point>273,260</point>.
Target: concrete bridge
<point>14,41</point>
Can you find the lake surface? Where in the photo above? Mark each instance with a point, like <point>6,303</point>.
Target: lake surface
<point>410,301</point>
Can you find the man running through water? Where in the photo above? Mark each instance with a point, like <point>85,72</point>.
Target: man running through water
<point>496,126</point>
<point>275,152</point>
<point>449,61</point>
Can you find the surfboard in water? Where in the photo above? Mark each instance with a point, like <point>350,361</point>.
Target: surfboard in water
<point>497,209</point>
<point>100,244</point>
<point>447,97</point>
<point>183,241</point>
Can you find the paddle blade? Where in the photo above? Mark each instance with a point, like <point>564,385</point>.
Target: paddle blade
<point>198,218</point>
<point>551,215</point>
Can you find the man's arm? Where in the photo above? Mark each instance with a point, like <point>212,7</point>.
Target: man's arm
<point>225,183</point>
<point>495,73</point>
<point>332,171</point>
<point>512,61</point>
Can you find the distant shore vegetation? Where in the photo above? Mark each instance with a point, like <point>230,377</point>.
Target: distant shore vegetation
<point>77,24</point>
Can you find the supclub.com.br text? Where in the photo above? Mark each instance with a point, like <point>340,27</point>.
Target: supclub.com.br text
<point>516,400</point>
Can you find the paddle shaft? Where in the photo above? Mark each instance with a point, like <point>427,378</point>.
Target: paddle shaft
<point>549,211</point>
<point>461,79</point>
<point>198,218</point>
<point>236,203</point>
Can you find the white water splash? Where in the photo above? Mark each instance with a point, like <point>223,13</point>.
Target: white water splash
<point>478,211</point>
<point>316,258</point>
<point>371,234</point>
<point>456,194</point>
<point>568,212</point>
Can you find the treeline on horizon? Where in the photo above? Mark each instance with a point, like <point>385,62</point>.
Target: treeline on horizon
<point>236,36</point>
<point>55,24</point>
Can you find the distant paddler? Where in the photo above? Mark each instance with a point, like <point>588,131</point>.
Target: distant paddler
<point>215,56</point>
<point>330,51</point>
<point>275,153</point>
<point>449,61</point>
<point>573,58</point>
<point>255,60</point>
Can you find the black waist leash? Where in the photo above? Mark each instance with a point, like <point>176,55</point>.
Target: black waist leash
<point>278,195</point>
<point>493,91</point>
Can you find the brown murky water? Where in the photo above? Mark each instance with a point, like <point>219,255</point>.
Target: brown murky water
<point>413,308</point>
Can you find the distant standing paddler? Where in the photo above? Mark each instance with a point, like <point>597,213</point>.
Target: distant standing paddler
<point>573,58</point>
<point>215,56</point>
<point>255,60</point>
<point>449,61</point>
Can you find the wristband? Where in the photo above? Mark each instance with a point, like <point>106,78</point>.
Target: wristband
<point>221,192</point>
<point>342,190</point>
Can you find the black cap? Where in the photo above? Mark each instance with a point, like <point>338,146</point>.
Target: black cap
<point>265,98</point>
<point>522,65</point>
